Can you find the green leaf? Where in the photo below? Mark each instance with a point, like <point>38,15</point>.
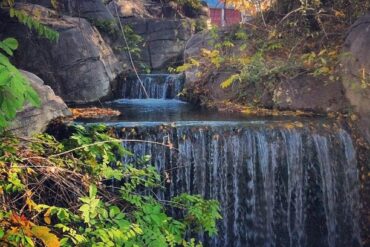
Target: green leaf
<point>5,76</point>
<point>113,211</point>
<point>11,43</point>
<point>92,191</point>
<point>33,97</point>
<point>6,49</point>
<point>2,233</point>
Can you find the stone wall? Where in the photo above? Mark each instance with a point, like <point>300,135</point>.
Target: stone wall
<point>356,71</point>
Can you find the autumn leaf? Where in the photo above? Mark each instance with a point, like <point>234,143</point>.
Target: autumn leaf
<point>47,216</point>
<point>20,220</point>
<point>229,81</point>
<point>43,233</point>
<point>93,112</point>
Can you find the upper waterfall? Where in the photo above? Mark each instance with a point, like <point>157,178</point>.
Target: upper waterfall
<point>158,86</point>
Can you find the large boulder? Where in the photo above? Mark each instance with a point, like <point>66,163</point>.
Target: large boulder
<point>309,93</point>
<point>356,71</point>
<point>32,120</point>
<point>79,67</point>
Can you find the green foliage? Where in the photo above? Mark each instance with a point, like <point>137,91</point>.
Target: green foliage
<point>32,23</point>
<point>194,6</point>
<point>105,26</point>
<point>321,63</point>
<point>284,40</point>
<point>199,212</point>
<point>15,91</point>
<point>228,82</point>
<point>199,24</point>
<point>94,216</point>
<point>134,41</point>
<point>30,19</point>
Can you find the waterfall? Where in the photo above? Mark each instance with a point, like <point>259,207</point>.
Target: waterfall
<point>277,185</point>
<point>158,86</point>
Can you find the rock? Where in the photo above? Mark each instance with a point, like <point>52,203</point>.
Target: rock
<point>170,10</point>
<point>309,93</point>
<point>166,40</point>
<point>197,42</point>
<point>163,43</point>
<point>305,92</point>
<point>129,8</point>
<point>356,71</point>
<point>32,120</point>
<point>205,11</point>
<point>79,67</point>
<point>89,9</point>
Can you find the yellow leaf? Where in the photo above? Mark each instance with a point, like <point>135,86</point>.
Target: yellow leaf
<point>205,52</point>
<point>31,204</point>
<point>322,52</point>
<point>289,125</point>
<point>229,81</point>
<point>43,233</point>
<point>30,171</point>
<point>339,14</point>
<point>298,124</point>
<point>47,217</point>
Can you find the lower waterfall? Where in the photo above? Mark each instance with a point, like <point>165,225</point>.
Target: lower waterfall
<point>277,184</point>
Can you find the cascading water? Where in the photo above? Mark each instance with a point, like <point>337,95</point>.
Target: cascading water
<point>158,86</point>
<point>277,186</point>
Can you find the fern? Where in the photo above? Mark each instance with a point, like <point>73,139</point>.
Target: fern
<point>29,19</point>
<point>34,24</point>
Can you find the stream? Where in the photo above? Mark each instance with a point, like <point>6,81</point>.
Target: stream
<point>280,181</point>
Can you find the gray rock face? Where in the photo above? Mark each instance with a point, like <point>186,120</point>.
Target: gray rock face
<point>89,9</point>
<point>33,120</point>
<point>163,42</point>
<point>79,67</point>
<point>310,93</point>
<point>129,8</point>
<point>356,71</point>
<point>166,41</point>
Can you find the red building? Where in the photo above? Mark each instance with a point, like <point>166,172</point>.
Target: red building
<point>232,16</point>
